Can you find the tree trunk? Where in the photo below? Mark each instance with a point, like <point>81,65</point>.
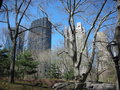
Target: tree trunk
<point>79,86</point>
<point>1,1</point>
<point>77,76</point>
<point>79,82</point>
<point>117,31</point>
<point>12,66</point>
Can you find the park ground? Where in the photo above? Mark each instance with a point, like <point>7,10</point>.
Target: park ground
<point>43,84</point>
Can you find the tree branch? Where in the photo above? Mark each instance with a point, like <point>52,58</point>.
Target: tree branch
<point>26,29</point>
<point>3,21</point>
<point>24,12</point>
<point>93,25</point>
<point>51,22</point>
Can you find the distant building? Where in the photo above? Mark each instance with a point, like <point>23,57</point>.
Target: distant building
<point>80,39</point>
<point>103,56</point>
<point>39,43</point>
<point>20,41</point>
<point>8,43</point>
<point>39,38</point>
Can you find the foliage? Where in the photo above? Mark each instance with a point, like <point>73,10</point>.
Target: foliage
<point>53,71</point>
<point>69,75</point>
<point>4,62</point>
<point>26,64</point>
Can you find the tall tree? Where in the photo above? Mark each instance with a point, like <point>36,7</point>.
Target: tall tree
<point>15,13</point>
<point>18,10</point>
<point>117,33</point>
<point>73,9</point>
<point>1,3</point>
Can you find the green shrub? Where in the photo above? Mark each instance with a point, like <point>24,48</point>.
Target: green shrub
<point>25,64</point>
<point>52,71</point>
<point>69,75</point>
<point>4,62</point>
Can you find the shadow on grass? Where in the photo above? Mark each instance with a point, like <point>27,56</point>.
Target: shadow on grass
<point>2,89</point>
<point>33,85</point>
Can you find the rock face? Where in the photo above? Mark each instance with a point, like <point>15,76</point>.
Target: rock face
<point>63,86</point>
<point>89,86</point>
<point>100,86</point>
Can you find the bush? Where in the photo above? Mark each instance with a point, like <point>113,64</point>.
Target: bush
<point>53,71</point>
<point>69,75</point>
<point>4,62</point>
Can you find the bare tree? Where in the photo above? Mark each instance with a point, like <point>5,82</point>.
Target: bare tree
<point>19,12</point>
<point>1,3</point>
<point>117,34</point>
<point>73,9</point>
<point>117,29</point>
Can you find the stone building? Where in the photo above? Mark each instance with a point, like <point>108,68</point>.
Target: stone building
<point>103,56</point>
<point>80,39</point>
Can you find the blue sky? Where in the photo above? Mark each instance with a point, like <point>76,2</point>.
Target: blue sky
<point>56,15</point>
<point>56,37</point>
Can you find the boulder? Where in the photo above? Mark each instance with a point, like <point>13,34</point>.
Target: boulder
<point>100,86</point>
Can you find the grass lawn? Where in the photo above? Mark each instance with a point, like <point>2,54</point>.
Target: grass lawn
<point>4,85</point>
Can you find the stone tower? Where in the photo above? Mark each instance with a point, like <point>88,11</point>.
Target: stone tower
<point>80,39</point>
<point>103,56</point>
